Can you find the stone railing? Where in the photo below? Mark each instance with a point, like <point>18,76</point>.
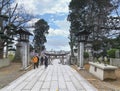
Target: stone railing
<point>4,62</point>
<point>115,62</point>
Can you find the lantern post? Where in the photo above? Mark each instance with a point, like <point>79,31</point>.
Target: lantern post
<point>82,38</point>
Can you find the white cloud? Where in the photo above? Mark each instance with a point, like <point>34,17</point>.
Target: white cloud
<point>57,39</point>
<point>63,24</point>
<point>57,44</point>
<point>57,32</point>
<point>44,6</point>
<point>63,32</point>
<point>32,22</point>
<point>57,7</point>
<point>57,48</point>
<point>66,47</point>
<point>63,29</point>
<point>29,5</point>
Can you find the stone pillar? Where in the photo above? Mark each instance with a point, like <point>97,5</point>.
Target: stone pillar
<point>78,57</point>
<point>81,55</point>
<point>28,52</point>
<point>25,54</point>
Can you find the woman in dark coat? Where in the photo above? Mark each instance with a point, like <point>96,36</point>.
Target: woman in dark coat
<point>41,60</point>
<point>46,61</point>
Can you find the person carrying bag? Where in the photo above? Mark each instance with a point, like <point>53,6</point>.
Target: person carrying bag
<point>35,61</point>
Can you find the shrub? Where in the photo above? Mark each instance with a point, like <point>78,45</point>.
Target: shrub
<point>11,56</point>
<point>111,53</point>
<point>86,55</point>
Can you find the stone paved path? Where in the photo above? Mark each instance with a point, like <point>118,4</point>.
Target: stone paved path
<point>56,77</point>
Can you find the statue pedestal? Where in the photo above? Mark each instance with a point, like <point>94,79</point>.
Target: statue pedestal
<point>102,72</point>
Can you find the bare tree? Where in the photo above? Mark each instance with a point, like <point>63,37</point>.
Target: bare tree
<point>17,17</point>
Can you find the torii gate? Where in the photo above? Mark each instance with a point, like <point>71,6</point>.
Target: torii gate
<point>62,55</point>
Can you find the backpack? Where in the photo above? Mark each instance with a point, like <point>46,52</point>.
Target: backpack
<point>35,59</point>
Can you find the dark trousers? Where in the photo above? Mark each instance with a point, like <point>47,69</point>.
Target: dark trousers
<point>41,63</point>
<point>35,65</point>
<point>46,64</point>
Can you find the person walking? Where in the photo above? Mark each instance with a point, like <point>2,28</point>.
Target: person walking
<point>46,61</point>
<point>41,60</point>
<point>35,61</point>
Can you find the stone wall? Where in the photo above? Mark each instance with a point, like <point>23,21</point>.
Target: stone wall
<point>4,62</point>
<point>115,62</point>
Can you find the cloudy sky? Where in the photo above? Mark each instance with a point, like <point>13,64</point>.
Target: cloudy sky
<point>55,13</point>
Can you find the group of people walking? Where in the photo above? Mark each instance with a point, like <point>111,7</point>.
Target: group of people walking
<point>40,60</point>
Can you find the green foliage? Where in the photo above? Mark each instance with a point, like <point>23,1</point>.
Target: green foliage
<point>11,57</point>
<point>86,55</point>
<point>97,45</point>
<point>77,19</point>
<point>115,43</point>
<point>41,29</point>
<point>77,15</point>
<point>111,53</point>
<point>31,48</point>
<point>90,15</point>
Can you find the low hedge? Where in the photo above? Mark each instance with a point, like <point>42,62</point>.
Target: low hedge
<point>111,53</point>
<point>86,55</point>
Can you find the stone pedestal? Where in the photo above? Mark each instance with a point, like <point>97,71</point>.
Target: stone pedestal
<point>81,55</point>
<point>102,72</point>
<point>25,54</point>
<point>22,54</point>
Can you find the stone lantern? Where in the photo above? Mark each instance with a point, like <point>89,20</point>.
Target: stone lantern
<point>82,38</point>
<point>23,46</point>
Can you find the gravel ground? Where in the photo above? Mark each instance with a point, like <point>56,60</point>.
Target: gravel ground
<point>108,85</point>
<point>12,72</point>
